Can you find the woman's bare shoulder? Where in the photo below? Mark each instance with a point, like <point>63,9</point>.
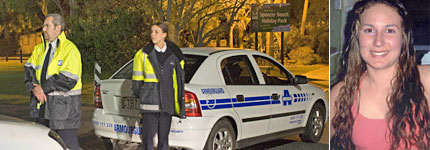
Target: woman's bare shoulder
<point>424,69</point>
<point>334,91</point>
<point>425,79</point>
<point>424,75</point>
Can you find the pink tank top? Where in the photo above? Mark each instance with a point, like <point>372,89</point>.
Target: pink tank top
<point>368,133</point>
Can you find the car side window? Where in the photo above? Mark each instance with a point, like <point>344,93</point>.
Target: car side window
<point>237,70</point>
<point>273,73</point>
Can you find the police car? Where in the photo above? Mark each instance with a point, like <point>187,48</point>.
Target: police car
<point>234,98</point>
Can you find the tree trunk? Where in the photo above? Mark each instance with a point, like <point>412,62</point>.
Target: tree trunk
<point>61,8</point>
<point>305,11</point>
<point>260,42</point>
<point>72,7</point>
<point>71,15</point>
<point>168,11</point>
<point>272,47</point>
<point>240,38</point>
<point>44,8</point>
<point>161,12</point>
<point>267,43</point>
<point>218,41</point>
<point>230,36</point>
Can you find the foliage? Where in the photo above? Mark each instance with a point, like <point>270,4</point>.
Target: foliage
<point>197,22</point>
<point>111,37</point>
<point>320,33</point>
<point>317,11</point>
<point>9,46</point>
<point>304,55</point>
<point>111,31</point>
<point>16,18</point>
<point>316,30</point>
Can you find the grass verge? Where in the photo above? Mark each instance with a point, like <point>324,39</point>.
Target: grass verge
<point>13,90</point>
<point>302,69</point>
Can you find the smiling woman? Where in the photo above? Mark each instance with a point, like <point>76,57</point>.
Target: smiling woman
<point>380,37</point>
<point>380,102</point>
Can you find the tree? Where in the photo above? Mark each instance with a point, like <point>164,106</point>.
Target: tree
<point>17,18</point>
<point>208,18</point>
<point>110,32</point>
<point>304,55</point>
<point>241,22</point>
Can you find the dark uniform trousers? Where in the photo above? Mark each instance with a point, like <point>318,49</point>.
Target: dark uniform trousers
<point>152,123</point>
<point>69,136</point>
<point>41,119</point>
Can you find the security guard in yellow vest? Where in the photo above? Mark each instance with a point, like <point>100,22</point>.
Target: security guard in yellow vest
<point>53,77</point>
<point>158,82</point>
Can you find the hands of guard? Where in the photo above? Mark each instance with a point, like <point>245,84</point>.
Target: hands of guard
<point>38,92</point>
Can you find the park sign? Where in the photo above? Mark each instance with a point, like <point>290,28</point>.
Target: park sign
<point>270,17</point>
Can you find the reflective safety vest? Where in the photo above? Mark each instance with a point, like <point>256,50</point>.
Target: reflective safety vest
<point>142,68</point>
<point>66,60</point>
<point>63,83</point>
<point>158,86</point>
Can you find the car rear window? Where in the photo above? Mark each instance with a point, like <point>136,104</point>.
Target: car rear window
<point>125,72</point>
<point>192,63</point>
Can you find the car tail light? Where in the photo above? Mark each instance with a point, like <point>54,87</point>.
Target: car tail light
<point>192,105</point>
<point>98,97</point>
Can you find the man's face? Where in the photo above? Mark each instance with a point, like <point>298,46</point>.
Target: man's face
<point>51,31</point>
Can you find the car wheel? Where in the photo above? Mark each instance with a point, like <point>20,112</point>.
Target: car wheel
<point>222,137</point>
<point>315,124</point>
<point>108,143</point>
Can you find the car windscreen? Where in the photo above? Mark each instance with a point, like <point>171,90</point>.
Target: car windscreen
<point>192,63</point>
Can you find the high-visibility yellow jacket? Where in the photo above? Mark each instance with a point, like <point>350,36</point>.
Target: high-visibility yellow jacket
<point>63,83</point>
<point>159,87</point>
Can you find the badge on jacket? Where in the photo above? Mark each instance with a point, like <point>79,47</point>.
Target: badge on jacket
<point>60,62</point>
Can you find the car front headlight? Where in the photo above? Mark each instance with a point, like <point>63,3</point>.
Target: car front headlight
<point>57,138</point>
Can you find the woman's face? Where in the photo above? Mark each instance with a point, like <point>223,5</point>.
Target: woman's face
<point>157,34</point>
<point>380,36</point>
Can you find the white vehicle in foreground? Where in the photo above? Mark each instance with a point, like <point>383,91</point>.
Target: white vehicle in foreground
<point>17,134</point>
<point>234,98</point>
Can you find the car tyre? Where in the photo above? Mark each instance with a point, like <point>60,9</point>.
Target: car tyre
<point>315,124</point>
<point>108,143</point>
<point>222,137</point>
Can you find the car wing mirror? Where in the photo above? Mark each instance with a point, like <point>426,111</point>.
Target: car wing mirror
<point>299,79</point>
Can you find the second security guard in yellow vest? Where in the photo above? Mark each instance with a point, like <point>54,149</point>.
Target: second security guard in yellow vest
<point>158,82</point>
<point>159,89</point>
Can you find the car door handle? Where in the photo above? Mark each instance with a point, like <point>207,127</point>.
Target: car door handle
<point>275,96</point>
<point>240,98</point>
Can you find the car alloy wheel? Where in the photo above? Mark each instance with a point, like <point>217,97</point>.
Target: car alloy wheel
<point>223,140</point>
<point>317,123</point>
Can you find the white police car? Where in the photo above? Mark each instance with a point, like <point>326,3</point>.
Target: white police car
<point>234,98</point>
<point>18,134</point>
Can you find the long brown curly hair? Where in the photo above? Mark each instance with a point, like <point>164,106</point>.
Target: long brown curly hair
<point>408,116</point>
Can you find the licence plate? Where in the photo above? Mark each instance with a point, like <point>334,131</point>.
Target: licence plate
<point>129,103</point>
